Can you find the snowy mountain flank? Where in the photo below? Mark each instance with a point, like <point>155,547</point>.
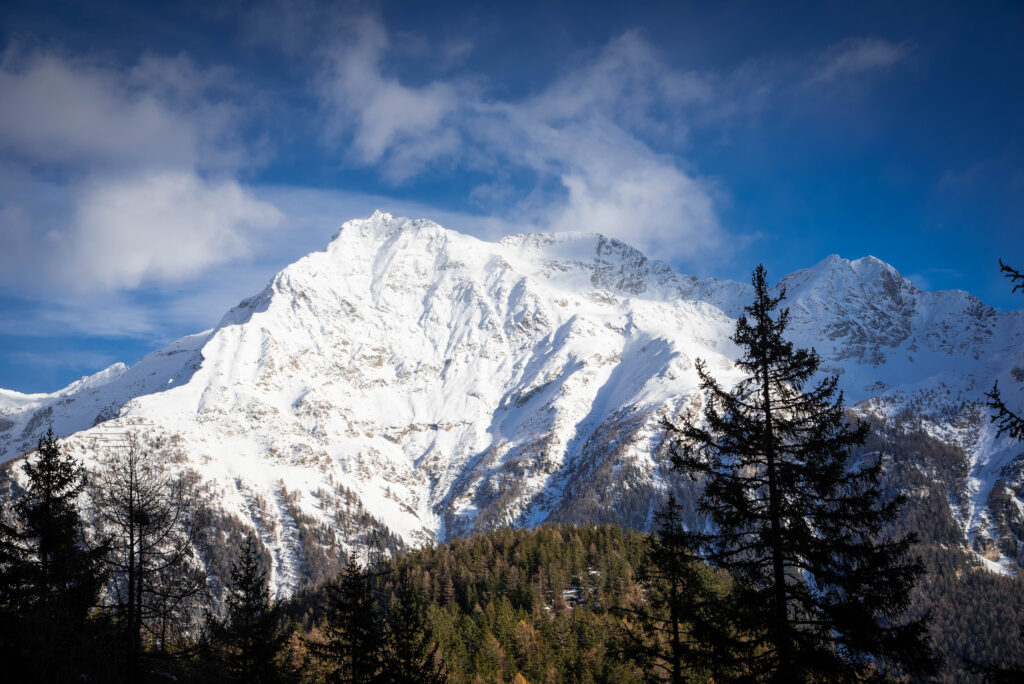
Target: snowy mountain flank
<point>419,383</point>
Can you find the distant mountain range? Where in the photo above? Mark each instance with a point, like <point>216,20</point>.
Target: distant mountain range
<point>417,382</point>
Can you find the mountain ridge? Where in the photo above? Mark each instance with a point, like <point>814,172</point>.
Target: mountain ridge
<point>450,384</point>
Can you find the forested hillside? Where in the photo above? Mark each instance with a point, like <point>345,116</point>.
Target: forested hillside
<point>558,604</point>
<point>975,613</point>
<point>542,603</point>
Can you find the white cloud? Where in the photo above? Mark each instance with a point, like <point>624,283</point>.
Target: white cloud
<point>856,56</point>
<point>163,227</point>
<point>646,202</point>
<point>116,233</point>
<point>114,178</point>
<point>61,110</point>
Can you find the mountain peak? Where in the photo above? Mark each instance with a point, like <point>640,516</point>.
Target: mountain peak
<point>103,377</point>
<point>872,268</point>
<point>381,223</point>
<point>867,274</point>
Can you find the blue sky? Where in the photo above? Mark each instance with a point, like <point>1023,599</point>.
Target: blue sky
<point>159,163</point>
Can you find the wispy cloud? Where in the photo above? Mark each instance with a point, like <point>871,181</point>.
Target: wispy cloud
<point>582,139</point>
<point>108,315</point>
<point>857,56</point>
<point>67,359</point>
<point>384,115</point>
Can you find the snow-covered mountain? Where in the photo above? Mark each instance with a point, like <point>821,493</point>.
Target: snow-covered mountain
<point>416,381</point>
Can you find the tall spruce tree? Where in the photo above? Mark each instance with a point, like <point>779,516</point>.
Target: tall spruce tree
<point>412,650</point>
<point>251,639</point>
<point>49,577</point>
<point>355,631</point>
<point>819,592</point>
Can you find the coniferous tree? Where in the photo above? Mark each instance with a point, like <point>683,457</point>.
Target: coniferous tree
<point>411,648</point>
<point>355,642</point>
<point>251,639</point>
<point>49,577</point>
<point>676,634</point>
<point>818,592</point>
<point>679,586</point>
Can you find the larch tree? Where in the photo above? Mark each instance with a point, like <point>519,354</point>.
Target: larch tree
<point>819,590</point>
<point>151,518</point>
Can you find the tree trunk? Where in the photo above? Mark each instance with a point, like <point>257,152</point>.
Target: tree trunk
<point>780,635</point>
<point>677,647</point>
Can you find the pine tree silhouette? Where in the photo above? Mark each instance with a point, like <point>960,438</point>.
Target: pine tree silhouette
<point>356,640</point>
<point>251,638</point>
<point>818,593</point>
<point>1010,423</point>
<point>678,633</point>
<point>411,651</point>
<point>49,577</point>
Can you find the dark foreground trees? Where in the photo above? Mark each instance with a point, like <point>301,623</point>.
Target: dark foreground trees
<point>249,645</point>
<point>49,577</point>
<point>412,655</point>
<point>674,633</point>
<point>157,586</point>
<point>1009,422</point>
<point>818,594</point>
<point>354,648</point>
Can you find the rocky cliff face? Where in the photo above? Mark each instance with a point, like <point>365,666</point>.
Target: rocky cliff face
<point>418,383</point>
